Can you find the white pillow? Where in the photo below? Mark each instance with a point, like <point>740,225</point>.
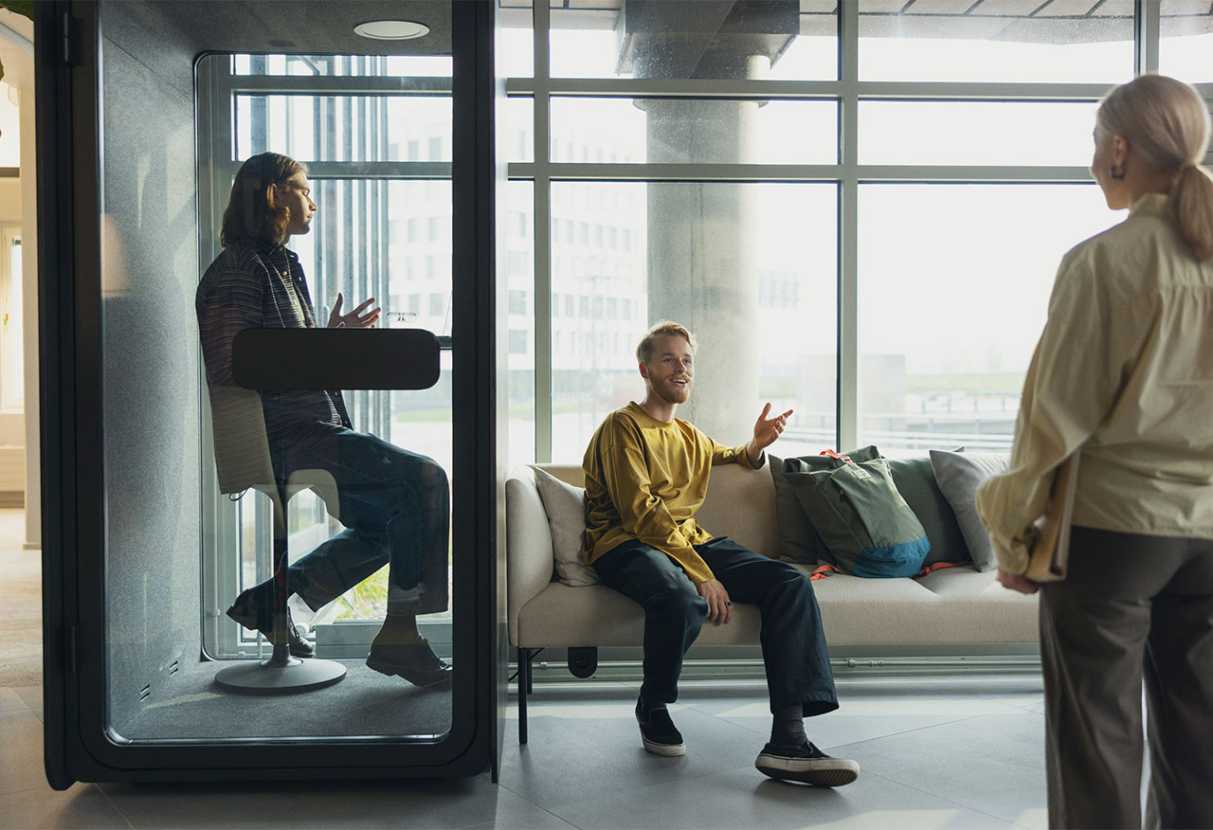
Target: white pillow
<point>565,506</point>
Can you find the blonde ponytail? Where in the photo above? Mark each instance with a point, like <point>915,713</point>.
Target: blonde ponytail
<point>1168,125</point>
<point>1192,206</point>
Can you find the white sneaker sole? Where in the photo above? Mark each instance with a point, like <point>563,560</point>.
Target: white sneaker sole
<point>820,772</point>
<point>664,750</point>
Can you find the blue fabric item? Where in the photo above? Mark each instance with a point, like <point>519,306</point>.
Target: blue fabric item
<point>902,559</point>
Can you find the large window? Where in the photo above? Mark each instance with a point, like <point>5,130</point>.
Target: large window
<point>859,207</point>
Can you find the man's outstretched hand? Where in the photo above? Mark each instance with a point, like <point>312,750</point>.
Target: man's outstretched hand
<point>766,431</point>
<point>355,319</point>
<point>720,609</point>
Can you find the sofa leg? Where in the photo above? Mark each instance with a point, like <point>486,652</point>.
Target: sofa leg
<point>530,670</point>
<point>524,682</point>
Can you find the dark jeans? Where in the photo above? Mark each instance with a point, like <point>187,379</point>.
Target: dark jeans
<point>793,641</point>
<point>1131,608</point>
<point>395,506</point>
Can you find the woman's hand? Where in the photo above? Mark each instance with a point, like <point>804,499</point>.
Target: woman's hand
<point>1017,582</point>
<point>355,319</point>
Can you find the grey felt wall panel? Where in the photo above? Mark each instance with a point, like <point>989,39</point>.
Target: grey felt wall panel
<point>150,356</point>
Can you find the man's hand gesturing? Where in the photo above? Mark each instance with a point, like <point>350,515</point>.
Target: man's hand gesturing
<point>720,608</point>
<point>766,430</point>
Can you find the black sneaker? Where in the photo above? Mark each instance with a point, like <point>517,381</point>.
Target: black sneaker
<point>805,763</point>
<point>658,732</point>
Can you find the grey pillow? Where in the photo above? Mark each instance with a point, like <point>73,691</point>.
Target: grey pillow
<point>958,475</point>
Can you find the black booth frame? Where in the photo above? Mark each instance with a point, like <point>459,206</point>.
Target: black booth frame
<point>78,744</point>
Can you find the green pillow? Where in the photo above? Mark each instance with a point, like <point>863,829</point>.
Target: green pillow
<point>915,480</point>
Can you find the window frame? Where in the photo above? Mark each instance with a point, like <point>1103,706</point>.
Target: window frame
<point>846,92</point>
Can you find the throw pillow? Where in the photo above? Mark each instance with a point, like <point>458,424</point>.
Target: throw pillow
<point>565,506</point>
<point>915,481</point>
<point>958,475</point>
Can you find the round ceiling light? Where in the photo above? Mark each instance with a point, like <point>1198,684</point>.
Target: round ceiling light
<point>391,30</point>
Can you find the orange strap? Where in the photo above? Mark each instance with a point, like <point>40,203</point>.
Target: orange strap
<point>823,571</point>
<point>938,566</point>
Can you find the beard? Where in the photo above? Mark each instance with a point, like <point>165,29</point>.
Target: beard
<point>671,392</point>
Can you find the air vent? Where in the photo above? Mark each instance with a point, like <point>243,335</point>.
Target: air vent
<point>145,692</point>
<point>174,667</point>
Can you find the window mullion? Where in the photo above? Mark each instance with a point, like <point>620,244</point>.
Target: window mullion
<point>542,225</point>
<point>848,229</point>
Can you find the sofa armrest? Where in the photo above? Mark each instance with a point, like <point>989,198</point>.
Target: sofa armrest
<point>529,562</point>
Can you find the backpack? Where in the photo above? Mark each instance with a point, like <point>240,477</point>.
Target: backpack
<point>864,525</point>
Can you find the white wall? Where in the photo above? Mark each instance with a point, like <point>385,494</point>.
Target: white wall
<point>17,53</point>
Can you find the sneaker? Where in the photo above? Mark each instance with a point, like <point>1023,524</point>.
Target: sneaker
<point>659,734</point>
<point>805,763</point>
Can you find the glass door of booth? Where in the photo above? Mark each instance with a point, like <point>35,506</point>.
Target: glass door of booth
<point>274,167</point>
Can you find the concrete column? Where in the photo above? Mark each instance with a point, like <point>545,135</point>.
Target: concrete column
<point>702,255</point>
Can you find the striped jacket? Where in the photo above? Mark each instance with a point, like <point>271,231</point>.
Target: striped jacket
<point>242,289</point>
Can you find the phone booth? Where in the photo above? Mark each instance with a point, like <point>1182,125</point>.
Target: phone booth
<point>270,508</point>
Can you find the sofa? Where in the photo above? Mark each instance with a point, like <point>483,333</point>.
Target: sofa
<point>954,609</point>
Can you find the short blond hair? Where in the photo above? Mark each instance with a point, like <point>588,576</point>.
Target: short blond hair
<point>644,352</point>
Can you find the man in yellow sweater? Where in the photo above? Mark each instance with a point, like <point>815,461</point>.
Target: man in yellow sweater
<point>646,475</point>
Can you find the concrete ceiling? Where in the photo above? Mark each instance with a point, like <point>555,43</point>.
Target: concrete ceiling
<point>298,26</point>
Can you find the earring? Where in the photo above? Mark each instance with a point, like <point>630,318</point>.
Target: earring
<point>1117,171</point>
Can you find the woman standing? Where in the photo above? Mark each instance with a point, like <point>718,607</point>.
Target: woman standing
<point>1123,375</point>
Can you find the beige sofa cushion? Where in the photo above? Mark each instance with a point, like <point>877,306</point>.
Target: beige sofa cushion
<point>959,607</point>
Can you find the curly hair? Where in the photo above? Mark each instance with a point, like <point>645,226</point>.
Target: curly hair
<point>644,352</point>
<point>250,217</point>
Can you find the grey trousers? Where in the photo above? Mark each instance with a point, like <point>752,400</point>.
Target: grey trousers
<point>1132,609</point>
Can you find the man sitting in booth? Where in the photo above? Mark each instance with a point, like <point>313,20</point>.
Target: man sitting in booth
<point>394,503</point>
<point>646,474</point>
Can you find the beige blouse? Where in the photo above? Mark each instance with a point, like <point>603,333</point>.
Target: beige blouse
<point>1123,373</point>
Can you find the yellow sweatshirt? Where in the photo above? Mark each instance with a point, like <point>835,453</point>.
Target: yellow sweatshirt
<point>645,479</point>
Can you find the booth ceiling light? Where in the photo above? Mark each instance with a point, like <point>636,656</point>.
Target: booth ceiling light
<point>391,30</point>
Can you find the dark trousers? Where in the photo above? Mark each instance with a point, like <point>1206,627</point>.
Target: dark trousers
<point>793,641</point>
<point>395,506</point>
<point>1131,608</point>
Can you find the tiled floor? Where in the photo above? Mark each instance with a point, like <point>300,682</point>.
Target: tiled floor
<point>936,754</point>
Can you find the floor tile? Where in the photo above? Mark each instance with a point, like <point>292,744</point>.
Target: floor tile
<point>83,806</point>
<point>569,757</point>
<point>31,696</point>
<point>860,718</point>
<point>990,763</point>
<point>11,704</point>
<point>21,754</point>
<point>466,803</point>
<point>743,798</point>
